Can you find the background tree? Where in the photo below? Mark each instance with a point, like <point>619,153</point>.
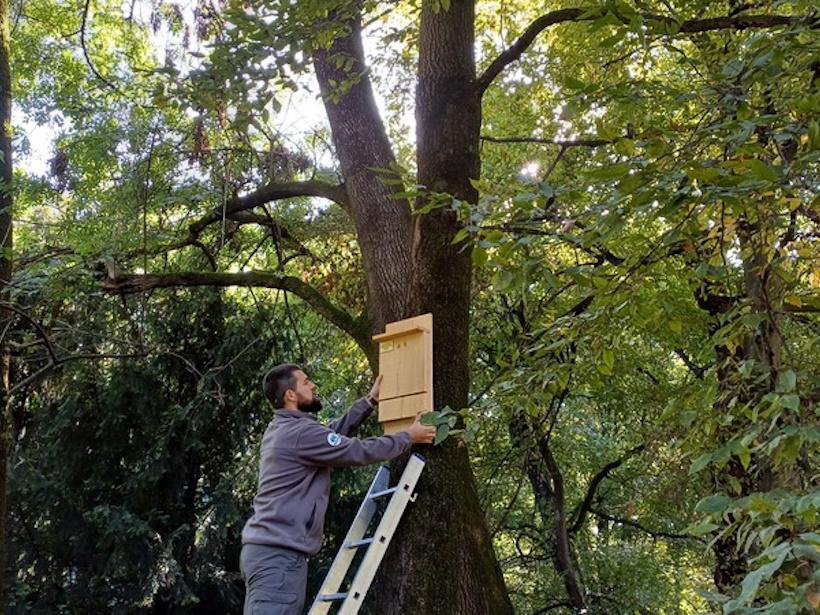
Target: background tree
<point>6,244</point>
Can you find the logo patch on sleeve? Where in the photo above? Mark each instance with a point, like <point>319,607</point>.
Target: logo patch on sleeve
<point>334,439</point>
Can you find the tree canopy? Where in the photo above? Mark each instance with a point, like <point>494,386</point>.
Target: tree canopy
<point>611,210</point>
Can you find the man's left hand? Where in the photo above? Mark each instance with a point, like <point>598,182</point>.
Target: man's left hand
<point>374,391</point>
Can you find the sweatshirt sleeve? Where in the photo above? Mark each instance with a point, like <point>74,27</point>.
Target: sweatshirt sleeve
<point>322,446</point>
<point>355,416</point>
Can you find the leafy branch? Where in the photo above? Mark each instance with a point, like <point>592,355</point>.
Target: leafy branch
<point>693,26</point>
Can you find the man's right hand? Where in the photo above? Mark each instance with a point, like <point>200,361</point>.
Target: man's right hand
<point>421,433</point>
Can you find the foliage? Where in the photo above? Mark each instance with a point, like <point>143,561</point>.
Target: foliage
<point>644,301</point>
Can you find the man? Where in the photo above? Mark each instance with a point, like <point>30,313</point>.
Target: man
<point>294,483</point>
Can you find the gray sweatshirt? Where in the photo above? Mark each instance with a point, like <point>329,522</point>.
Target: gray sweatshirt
<point>294,474</point>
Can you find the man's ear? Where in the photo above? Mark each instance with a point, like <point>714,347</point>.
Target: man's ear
<point>290,395</point>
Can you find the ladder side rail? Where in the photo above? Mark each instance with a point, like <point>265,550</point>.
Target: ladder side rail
<point>344,557</point>
<point>404,494</point>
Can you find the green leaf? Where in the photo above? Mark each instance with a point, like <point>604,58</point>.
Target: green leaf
<point>792,402</point>
<point>745,457</point>
<point>762,171</point>
<point>786,381</point>
<point>503,280</point>
<point>699,529</point>
<point>614,171</point>
<point>700,463</point>
<point>574,84</point>
<point>752,581</point>
<point>714,504</point>
<point>480,256</point>
<point>811,537</point>
<point>625,147</point>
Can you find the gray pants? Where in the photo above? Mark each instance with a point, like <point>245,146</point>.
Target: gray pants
<point>275,580</point>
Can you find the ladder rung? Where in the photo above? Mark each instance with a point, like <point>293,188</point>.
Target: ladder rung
<point>332,597</point>
<point>381,494</point>
<point>355,544</point>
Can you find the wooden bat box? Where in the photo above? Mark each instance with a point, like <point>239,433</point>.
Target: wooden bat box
<point>406,363</point>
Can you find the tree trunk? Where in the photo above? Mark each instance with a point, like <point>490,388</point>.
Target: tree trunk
<point>5,271</point>
<point>764,346</point>
<point>383,224</point>
<point>443,561</point>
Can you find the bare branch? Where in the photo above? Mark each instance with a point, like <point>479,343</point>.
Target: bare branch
<point>41,331</point>
<point>563,143</point>
<point>60,361</point>
<point>811,214</point>
<point>84,45</point>
<point>278,231</point>
<point>586,506</point>
<point>638,526</point>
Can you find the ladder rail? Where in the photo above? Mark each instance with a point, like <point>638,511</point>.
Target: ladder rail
<point>402,495</point>
<point>384,534</point>
<point>344,557</point>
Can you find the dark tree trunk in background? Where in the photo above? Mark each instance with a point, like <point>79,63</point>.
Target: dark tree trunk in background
<point>5,271</point>
<point>764,347</point>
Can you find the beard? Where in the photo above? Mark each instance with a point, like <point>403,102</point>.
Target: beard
<point>313,406</point>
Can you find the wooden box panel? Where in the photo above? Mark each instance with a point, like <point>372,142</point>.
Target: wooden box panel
<point>403,407</point>
<point>401,361</point>
<point>406,364</point>
<point>391,427</point>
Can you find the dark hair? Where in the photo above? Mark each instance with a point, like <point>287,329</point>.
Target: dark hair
<point>277,381</point>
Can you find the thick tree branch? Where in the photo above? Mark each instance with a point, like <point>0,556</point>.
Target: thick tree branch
<point>586,506</point>
<point>700,372</point>
<point>517,49</point>
<point>355,327</point>
<point>734,22</point>
<point>269,193</point>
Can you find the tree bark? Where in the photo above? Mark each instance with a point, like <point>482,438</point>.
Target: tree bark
<point>445,563</point>
<point>383,223</point>
<point>763,291</point>
<point>5,271</point>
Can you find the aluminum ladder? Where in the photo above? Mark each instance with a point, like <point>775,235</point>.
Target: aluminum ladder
<point>402,494</point>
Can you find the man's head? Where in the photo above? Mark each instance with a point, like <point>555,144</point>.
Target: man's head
<point>287,386</point>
